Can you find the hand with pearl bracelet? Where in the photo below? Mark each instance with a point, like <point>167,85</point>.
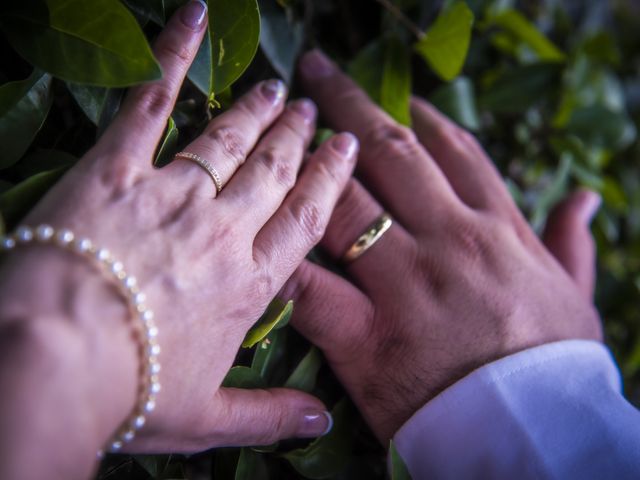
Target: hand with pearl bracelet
<point>208,255</point>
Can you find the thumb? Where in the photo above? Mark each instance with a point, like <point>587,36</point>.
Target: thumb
<point>265,416</point>
<point>568,238</point>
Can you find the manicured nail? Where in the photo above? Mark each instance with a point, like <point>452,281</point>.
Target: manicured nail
<point>316,64</point>
<point>306,109</point>
<point>316,424</point>
<point>591,204</point>
<point>193,14</point>
<point>345,143</point>
<point>274,90</point>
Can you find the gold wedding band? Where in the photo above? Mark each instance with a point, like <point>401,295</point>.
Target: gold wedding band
<point>374,232</point>
<point>210,169</point>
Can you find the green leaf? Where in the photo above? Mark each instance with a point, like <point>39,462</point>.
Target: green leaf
<point>520,88</point>
<point>329,455</point>
<point>520,28</point>
<point>277,315</point>
<point>200,70</point>
<point>446,43</point>
<point>600,127</point>
<point>41,160</point>
<point>383,70</point>
<point>168,146</point>
<point>552,194</point>
<point>97,42</point>
<point>148,9</point>
<point>613,195</point>
<point>24,106</point>
<point>18,200</point>
<point>243,377</point>
<point>90,99</point>
<point>305,374</point>
<point>398,468</point>
<point>234,32</point>
<point>268,353</point>
<point>281,38</point>
<point>251,466</point>
<point>458,101</point>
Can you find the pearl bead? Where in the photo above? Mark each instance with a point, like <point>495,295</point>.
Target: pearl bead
<point>24,234</point>
<point>64,237</point>
<point>152,332</point>
<point>139,421</point>
<point>147,315</point>
<point>44,232</point>
<point>139,298</point>
<point>129,282</point>
<point>128,435</point>
<point>103,255</point>
<point>154,350</point>
<point>8,243</point>
<point>83,245</point>
<point>150,405</point>
<point>154,368</point>
<point>115,446</point>
<point>155,388</point>
<point>117,267</point>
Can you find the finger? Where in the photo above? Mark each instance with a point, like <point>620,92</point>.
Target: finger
<point>143,116</point>
<point>230,137</point>
<point>262,417</point>
<point>299,224</point>
<point>353,215</point>
<point>329,311</point>
<point>243,417</point>
<point>568,238</point>
<point>393,165</point>
<point>260,186</point>
<point>469,170</point>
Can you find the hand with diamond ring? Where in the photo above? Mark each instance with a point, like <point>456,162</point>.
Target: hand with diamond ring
<point>209,263</point>
<point>457,281</point>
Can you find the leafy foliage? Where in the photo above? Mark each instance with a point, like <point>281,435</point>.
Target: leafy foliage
<point>551,87</point>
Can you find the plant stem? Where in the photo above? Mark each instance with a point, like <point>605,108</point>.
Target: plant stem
<point>402,18</point>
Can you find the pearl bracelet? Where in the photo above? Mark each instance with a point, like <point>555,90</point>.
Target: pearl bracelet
<point>146,329</point>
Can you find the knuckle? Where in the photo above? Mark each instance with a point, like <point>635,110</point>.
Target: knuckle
<point>308,217</point>
<point>229,140</point>
<point>281,170</point>
<point>155,100</point>
<point>392,140</point>
<point>349,95</point>
<point>456,139</point>
<point>120,178</point>
<point>296,128</point>
<point>177,51</point>
<point>329,169</point>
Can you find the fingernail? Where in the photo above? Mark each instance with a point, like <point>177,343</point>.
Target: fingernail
<point>315,424</point>
<point>193,14</point>
<point>590,206</point>
<point>345,143</point>
<point>306,109</point>
<point>316,64</point>
<point>274,90</point>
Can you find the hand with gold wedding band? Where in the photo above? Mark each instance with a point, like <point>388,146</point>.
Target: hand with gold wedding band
<point>457,280</point>
<point>208,267</point>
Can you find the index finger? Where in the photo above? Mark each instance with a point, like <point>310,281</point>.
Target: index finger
<point>397,169</point>
<point>145,111</point>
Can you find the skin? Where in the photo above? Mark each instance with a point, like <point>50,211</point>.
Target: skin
<point>458,281</point>
<point>208,266</point>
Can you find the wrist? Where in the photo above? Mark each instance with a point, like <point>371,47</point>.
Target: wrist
<point>72,362</point>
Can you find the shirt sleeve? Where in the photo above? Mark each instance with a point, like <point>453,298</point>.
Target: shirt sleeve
<point>553,411</point>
